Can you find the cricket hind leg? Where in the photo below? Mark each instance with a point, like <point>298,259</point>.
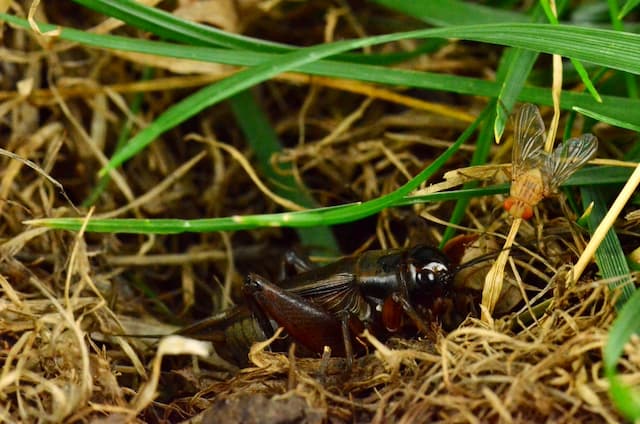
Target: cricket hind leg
<point>304,321</point>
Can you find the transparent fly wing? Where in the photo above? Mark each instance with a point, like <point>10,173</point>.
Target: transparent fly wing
<point>567,158</point>
<point>528,144</point>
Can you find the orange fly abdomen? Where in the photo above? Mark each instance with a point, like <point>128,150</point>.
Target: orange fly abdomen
<point>517,208</point>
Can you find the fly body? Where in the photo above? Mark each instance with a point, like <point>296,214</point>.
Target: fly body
<point>535,173</point>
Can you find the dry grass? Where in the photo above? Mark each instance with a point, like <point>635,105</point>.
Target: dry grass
<point>66,297</point>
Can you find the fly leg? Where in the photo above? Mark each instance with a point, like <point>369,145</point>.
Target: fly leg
<point>305,322</point>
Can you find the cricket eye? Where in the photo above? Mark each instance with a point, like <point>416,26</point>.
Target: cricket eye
<point>433,273</point>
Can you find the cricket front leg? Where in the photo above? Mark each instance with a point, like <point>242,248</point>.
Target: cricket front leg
<point>307,323</point>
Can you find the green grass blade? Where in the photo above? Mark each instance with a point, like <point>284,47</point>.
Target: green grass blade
<point>614,49</point>
<point>264,142</point>
<point>582,72</point>
<point>483,145</point>
<point>513,72</point>
<point>171,27</point>
<point>612,108</point>
<point>452,12</point>
<point>608,119</point>
<point>612,264</point>
<point>628,7</point>
<point>609,256</point>
<point>632,84</point>
<point>519,63</point>
<point>317,217</point>
<point>626,324</point>
<point>605,175</point>
<point>219,91</point>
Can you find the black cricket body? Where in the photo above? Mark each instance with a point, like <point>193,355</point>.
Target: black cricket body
<point>332,304</point>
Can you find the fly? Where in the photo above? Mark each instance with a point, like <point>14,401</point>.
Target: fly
<point>537,174</point>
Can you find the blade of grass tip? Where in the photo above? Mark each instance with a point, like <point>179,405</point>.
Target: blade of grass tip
<point>321,216</point>
<point>628,7</point>
<point>124,135</point>
<point>519,63</point>
<point>463,193</point>
<point>605,175</point>
<point>265,143</point>
<point>171,27</point>
<point>608,119</point>
<point>582,72</point>
<point>514,69</point>
<point>626,324</point>
<point>609,256</point>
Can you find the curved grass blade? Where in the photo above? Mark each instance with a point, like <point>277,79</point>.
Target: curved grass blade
<point>518,64</point>
<point>235,83</point>
<point>614,49</point>
<point>317,217</point>
<point>514,69</point>
<point>608,119</point>
<point>172,27</point>
<point>620,108</point>
<point>628,7</point>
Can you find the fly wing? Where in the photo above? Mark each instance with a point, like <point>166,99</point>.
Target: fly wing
<point>567,158</point>
<point>528,144</point>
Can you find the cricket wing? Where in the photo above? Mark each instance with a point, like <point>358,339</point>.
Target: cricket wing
<point>338,294</point>
<point>567,159</point>
<point>528,143</point>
